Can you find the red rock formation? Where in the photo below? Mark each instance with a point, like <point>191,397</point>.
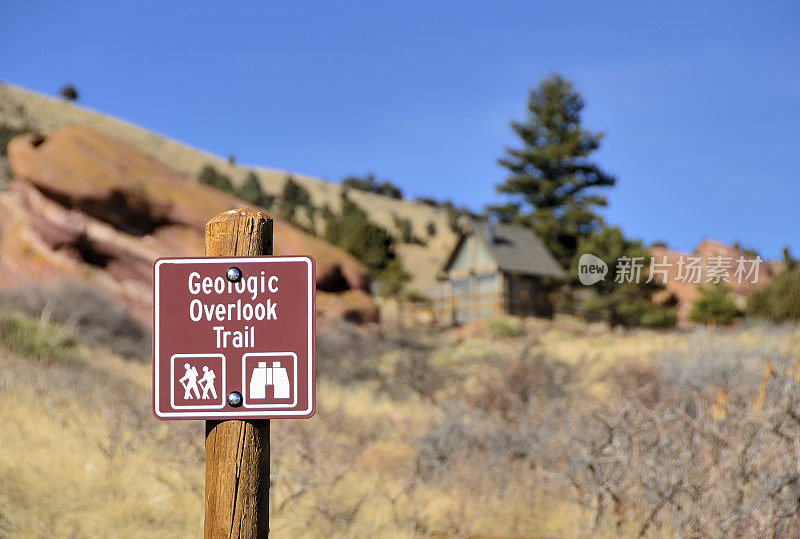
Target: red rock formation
<point>86,206</point>
<point>688,292</point>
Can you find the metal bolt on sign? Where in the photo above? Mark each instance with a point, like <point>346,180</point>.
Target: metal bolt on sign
<point>235,399</point>
<point>234,274</point>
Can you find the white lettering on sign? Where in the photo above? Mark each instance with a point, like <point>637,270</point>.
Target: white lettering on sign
<point>255,285</point>
<point>233,312</point>
<point>257,308</point>
<point>238,339</point>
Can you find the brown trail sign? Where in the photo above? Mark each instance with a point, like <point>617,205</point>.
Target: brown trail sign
<point>233,344</point>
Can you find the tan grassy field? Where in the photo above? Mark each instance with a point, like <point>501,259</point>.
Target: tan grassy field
<point>519,428</point>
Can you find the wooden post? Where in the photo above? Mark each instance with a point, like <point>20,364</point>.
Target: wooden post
<point>237,452</point>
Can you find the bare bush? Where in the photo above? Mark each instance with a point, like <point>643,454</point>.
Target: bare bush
<point>701,445</point>
<point>93,316</point>
<point>400,365</point>
<point>346,353</point>
<point>703,460</point>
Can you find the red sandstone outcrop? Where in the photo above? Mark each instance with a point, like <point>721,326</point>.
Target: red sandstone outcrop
<point>85,206</point>
<point>687,290</point>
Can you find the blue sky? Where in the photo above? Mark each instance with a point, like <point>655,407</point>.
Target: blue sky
<point>700,101</point>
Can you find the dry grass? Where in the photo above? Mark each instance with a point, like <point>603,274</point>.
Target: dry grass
<point>80,455</point>
<point>558,429</point>
<point>85,312</point>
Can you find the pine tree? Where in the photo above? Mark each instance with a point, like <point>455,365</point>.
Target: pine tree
<point>69,92</point>
<point>715,307</point>
<point>294,195</point>
<point>779,300</point>
<point>353,231</point>
<point>252,193</point>
<point>371,184</point>
<point>251,189</point>
<point>628,304</point>
<point>210,176</point>
<point>552,182</point>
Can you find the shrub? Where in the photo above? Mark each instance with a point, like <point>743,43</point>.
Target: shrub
<point>353,231</point>
<point>628,304</point>
<point>411,371</point>
<point>503,327</point>
<point>350,353</point>
<point>69,92</point>
<point>779,301</point>
<point>659,318</point>
<point>251,192</point>
<point>443,441</point>
<point>431,228</point>
<point>35,338</point>
<point>88,313</point>
<point>370,184</point>
<point>629,309</point>
<point>294,196</point>
<point>715,306</point>
<point>392,277</point>
<point>417,297</point>
<point>454,213</point>
<point>404,227</point>
<point>6,134</point>
<point>210,176</point>
<point>512,384</point>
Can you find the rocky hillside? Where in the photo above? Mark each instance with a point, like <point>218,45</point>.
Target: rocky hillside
<point>677,281</point>
<point>22,111</point>
<point>84,206</point>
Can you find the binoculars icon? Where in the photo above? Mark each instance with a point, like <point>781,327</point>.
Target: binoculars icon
<point>274,376</point>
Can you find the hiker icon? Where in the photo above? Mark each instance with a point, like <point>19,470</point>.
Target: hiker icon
<point>208,378</point>
<point>192,385</point>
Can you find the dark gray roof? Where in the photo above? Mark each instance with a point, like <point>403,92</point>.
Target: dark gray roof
<point>514,248</point>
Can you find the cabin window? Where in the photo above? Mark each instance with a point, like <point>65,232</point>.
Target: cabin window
<point>460,287</point>
<point>462,298</point>
<point>487,283</point>
<point>487,295</point>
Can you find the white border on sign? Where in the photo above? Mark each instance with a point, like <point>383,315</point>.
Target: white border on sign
<point>222,391</point>
<point>243,413</point>
<point>245,386</point>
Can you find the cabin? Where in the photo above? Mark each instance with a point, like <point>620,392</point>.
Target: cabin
<point>495,269</point>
